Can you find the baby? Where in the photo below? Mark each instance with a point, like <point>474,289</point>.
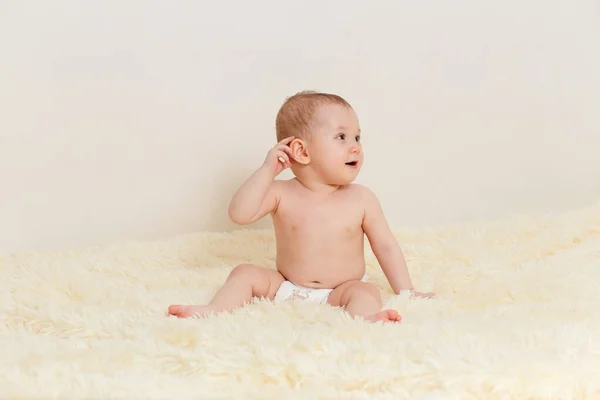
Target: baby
<point>320,218</point>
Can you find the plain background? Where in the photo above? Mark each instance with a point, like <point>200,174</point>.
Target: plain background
<point>139,119</point>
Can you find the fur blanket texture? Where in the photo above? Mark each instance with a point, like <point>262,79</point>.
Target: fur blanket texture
<point>516,318</point>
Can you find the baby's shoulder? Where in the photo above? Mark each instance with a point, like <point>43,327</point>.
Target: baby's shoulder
<point>283,185</point>
<point>284,189</point>
<point>361,192</point>
<point>364,198</point>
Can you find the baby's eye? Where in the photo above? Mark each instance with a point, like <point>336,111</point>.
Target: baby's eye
<point>342,136</point>
<point>358,138</point>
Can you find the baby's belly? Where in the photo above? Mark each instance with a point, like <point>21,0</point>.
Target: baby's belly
<point>321,270</point>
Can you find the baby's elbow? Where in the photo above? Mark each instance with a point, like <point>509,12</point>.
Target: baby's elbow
<point>240,221</point>
<point>387,247</point>
<point>236,218</point>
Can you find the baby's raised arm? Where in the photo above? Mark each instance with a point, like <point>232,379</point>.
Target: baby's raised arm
<point>258,195</point>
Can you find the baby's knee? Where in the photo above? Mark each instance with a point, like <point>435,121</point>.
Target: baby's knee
<point>245,270</point>
<point>368,289</point>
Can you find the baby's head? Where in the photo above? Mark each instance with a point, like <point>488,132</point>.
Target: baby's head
<point>326,130</point>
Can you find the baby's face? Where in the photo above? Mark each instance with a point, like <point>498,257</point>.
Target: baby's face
<point>335,148</point>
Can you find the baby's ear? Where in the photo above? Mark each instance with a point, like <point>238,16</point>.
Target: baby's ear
<point>300,151</point>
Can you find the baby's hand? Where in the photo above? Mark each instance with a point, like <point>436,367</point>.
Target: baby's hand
<point>279,157</point>
<point>423,295</point>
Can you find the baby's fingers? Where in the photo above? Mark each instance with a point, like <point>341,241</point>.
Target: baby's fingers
<point>285,150</point>
<point>281,156</point>
<point>286,140</point>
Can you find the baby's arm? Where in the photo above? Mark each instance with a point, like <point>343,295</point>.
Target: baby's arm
<point>259,194</point>
<point>385,247</point>
<point>255,198</point>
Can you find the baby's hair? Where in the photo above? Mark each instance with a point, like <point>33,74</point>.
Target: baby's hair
<point>296,114</point>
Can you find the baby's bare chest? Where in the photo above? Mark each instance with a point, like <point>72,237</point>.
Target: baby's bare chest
<point>321,219</point>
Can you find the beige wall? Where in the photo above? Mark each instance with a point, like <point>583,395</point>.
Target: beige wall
<point>137,120</point>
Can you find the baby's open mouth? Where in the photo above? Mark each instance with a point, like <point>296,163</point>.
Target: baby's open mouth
<point>353,163</point>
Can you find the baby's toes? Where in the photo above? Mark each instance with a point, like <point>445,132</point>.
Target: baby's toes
<point>392,316</point>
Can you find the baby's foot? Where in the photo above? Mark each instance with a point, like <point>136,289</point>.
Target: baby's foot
<point>385,316</point>
<point>191,311</point>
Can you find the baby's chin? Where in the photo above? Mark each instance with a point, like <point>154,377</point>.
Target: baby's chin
<point>342,181</point>
<point>339,178</point>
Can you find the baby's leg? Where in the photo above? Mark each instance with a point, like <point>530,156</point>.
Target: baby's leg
<point>243,283</point>
<point>362,299</point>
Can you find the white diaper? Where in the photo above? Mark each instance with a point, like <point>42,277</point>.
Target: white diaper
<point>291,291</point>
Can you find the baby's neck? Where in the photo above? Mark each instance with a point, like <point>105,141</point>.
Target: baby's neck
<point>316,186</point>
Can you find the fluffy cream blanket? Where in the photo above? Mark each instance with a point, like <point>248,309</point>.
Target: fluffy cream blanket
<point>517,317</point>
